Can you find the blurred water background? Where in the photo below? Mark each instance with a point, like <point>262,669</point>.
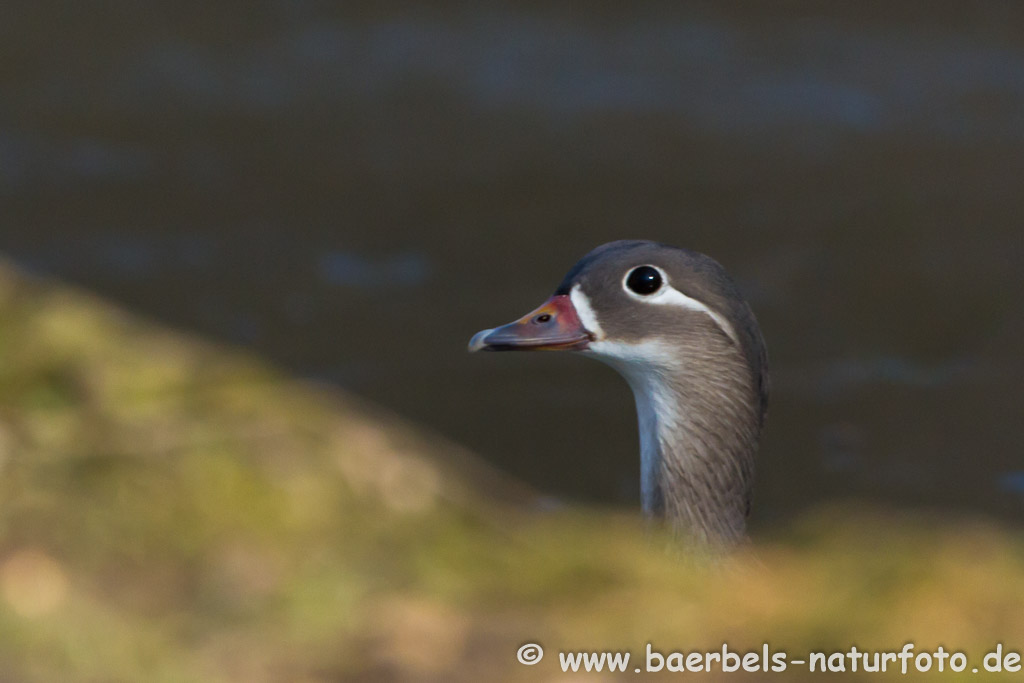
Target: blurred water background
<point>353,189</point>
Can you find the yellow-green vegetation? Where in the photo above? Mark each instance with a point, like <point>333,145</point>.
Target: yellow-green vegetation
<point>172,511</point>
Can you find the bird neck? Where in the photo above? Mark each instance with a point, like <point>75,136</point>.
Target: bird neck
<point>699,425</point>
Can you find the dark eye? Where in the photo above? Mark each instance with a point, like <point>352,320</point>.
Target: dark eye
<point>644,280</point>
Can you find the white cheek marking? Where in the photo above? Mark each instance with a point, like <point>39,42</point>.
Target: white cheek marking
<point>670,296</point>
<point>581,302</point>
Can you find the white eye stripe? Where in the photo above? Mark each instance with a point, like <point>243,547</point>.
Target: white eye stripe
<point>670,296</point>
<point>674,297</point>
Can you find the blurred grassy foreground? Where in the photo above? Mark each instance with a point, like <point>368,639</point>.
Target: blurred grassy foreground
<point>177,512</point>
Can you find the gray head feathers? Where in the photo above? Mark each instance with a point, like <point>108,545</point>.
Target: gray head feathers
<point>675,325</point>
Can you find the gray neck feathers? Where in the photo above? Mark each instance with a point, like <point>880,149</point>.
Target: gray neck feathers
<point>699,422</point>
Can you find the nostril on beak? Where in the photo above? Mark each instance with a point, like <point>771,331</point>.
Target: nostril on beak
<point>542,318</point>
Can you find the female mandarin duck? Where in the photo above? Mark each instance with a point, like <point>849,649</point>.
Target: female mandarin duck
<point>673,323</point>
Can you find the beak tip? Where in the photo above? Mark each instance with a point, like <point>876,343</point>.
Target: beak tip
<point>477,343</point>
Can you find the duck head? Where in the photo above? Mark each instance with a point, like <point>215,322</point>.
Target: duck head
<point>674,324</point>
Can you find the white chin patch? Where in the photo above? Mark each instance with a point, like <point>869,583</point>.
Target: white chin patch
<point>638,358</point>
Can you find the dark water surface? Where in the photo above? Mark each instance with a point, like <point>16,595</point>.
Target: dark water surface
<point>353,191</point>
